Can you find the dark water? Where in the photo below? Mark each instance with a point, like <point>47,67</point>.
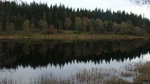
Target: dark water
<point>30,59</point>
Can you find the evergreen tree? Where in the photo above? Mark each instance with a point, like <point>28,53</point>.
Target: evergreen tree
<point>4,14</point>
<point>1,8</point>
<point>49,19</point>
<point>44,16</point>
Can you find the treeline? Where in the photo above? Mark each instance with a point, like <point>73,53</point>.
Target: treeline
<point>40,17</point>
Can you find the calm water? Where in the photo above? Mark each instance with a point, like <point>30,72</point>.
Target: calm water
<point>25,60</point>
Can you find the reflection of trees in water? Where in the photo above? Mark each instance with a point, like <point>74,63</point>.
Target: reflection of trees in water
<point>7,58</point>
<point>58,53</point>
<point>7,61</point>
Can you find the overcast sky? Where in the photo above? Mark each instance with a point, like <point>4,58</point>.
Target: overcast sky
<point>103,4</point>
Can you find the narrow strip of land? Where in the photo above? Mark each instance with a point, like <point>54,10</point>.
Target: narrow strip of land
<point>70,36</point>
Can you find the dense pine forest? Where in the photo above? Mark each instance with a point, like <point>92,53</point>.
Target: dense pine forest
<point>39,17</point>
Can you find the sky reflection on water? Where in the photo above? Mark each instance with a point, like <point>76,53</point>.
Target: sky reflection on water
<point>68,69</point>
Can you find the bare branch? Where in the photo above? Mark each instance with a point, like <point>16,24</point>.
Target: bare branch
<point>141,2</point>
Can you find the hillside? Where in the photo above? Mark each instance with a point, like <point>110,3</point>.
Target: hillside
<point>39,17</point>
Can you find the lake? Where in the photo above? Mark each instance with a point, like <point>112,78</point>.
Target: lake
<point>29,59</point>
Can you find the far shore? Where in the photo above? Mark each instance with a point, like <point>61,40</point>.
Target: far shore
<point>71,36</point>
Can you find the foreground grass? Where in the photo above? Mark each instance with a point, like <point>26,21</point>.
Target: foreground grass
<point>139,73</point>
<point>144,73</point>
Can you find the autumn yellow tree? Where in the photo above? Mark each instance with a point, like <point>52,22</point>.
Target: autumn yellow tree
<point>116,27</point>
<point>78,24</point>
<point>126,27</point>
<point>99,26</point>
<point>26,25</point>
<point>67,23</point>
<point>10,27</point>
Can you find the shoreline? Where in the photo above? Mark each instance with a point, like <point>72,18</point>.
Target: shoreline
<point>72,36</point>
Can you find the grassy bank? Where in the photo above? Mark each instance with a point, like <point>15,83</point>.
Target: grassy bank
<point>69,36</point>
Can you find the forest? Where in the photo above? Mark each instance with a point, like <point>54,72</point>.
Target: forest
<point>41,18</point>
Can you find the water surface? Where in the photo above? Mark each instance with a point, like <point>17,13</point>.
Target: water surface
<point>26,60</point>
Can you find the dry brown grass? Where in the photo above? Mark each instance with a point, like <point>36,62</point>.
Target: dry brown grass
<point>69,36</point>
<point>144,73</point>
